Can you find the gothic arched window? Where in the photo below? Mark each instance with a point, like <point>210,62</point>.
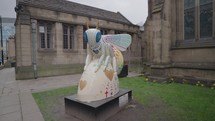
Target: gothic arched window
<point>198,19</point>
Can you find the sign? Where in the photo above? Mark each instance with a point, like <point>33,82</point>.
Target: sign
<point>123,100</point>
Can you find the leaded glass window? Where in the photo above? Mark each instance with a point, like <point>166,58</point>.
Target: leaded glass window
<point>206,18</point>
<point>49,36</point>
<point>42,39</point>
<point>71,44</point>
<point>45,34</point>
<point>189,19</point>
<point>198,19</point>
<point>68,37</point>
<point>65,37</point>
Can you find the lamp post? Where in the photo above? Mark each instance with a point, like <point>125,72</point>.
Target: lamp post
<point>2,53</point>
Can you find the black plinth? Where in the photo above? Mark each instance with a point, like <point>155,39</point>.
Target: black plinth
<point>124,71</point>
<point>97,110</point>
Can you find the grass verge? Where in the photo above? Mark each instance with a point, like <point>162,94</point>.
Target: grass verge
<point>181,101</point>
<point>48,99</point>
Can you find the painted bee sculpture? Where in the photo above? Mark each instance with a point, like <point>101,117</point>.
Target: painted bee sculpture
<point>104,61</point>
<point>108,47</point>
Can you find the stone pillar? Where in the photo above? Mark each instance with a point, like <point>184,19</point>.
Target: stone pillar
<point>18,46</point>
<point>156,41</point>
<point>24,68</point>
<point>82,53</point>
<point>26,48</point>
<point>158,32</point>
<point>79,37</point>
<point>166,42</point>
<point>23,39</point>
<point>166,32</point>
<point>59,36</point>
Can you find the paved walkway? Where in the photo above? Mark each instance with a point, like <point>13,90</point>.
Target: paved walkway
<point>16,101</point>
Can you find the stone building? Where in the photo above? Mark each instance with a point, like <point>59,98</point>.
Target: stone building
<point>10,48</point>
<point>49,35</point>
<point>180,38</point>
<point>8,30</point>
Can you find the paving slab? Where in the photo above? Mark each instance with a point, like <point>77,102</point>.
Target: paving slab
<point>8,100</point>
<point>47,83</point>
<point>9,109</point>
<point>14,116</point>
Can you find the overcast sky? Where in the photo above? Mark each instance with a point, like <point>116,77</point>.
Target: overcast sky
<point>133,10</point>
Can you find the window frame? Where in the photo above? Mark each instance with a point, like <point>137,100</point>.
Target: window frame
<point>69,44</point>
<point>197,41</point>
<point>48,44</point>
<point>213,8</point>
<point>104,31</point>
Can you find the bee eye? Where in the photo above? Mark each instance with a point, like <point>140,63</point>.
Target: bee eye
<point>85,37</point>
<point>98,36</point>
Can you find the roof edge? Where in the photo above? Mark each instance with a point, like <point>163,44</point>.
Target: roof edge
<point>70,12</point>
<point>124,17</point>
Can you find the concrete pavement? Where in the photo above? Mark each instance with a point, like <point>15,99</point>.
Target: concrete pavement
<point>47,83</point>
<point>16,101</point>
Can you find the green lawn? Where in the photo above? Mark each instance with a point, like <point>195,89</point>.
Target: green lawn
<point>48,100</point>
<point>174,101</point>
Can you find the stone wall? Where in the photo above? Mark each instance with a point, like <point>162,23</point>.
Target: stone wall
<point>23,45</point>
<point>166,58</point>
<point>58,61</point>
<point>193,55</point>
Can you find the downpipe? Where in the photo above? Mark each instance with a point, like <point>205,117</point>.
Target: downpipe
<point>33,38</point>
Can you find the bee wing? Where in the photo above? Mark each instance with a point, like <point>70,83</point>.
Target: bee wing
<point>120,41</point>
